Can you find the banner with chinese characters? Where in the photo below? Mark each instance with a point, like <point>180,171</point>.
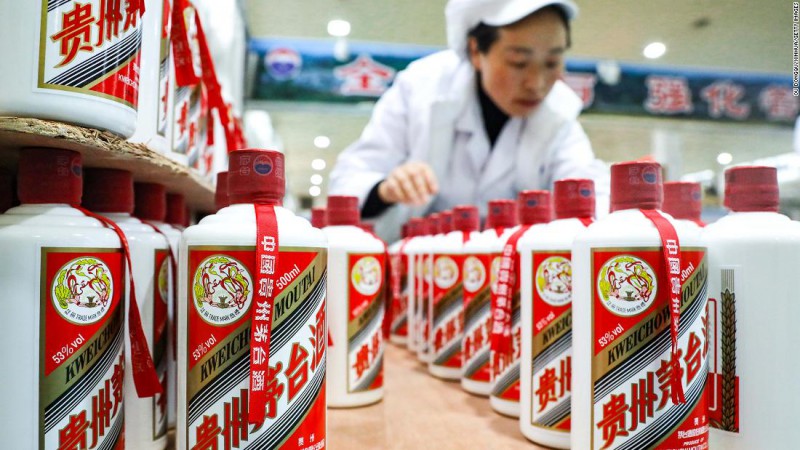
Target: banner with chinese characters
<point>310,70</point>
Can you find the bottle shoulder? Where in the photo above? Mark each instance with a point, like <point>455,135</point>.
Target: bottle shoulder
<point>632,228</point>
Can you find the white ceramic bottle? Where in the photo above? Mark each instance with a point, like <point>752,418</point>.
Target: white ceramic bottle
<point>399,288</point>
<point>73,62</point>
<point>683,200</point>
<point>355,307</point>
<point>477,273</point>
<point>535,210</point>
<point>416,228</point>
<point>425,266</point>
<point>6,191</point>
<point>753,254</point>
<point>627,297</point>
<point>223,296</point>
<point>546,306</point>
<point>151,207</point>
<point>66,335</point>
<point>147,124</point>
<point>446,308</point>
<point>109,192</point>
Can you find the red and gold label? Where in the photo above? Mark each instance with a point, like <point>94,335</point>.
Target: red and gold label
<point>425,272</point>
<point>220,293</point>
<point>365,306</point>
<point>164,68</point>
<point>400,294</point>
<point>552,339</point>
<point>91,48</point>
<point>505,367</point>
<point>447,320</point>
<point>160,335</point>
<point>82,361</point>
<point>477,316</point>
<point>632,371</point>
<point>723,376</point>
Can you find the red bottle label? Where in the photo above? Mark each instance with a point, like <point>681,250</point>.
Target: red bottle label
<point>82,329</point>
<point>400,294</point>
<point>365,304</point>
<point>632,373</point>
<point>505,367</point>
<point>477,316</point>
<point>92,48</point>
<point>220,294</point>
<point>447,318</point>
<point>552,339</point>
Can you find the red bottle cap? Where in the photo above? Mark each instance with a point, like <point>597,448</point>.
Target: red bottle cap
<point>636,185</point>
<point>319,217</point>
<point>108,191</point>
<point>6,191</point>
<point>751,189</point>
<point>47,175</point>
<point>404,230</point>
<point>151,201</point>
<point>683,200</point>
<point>466,218</point>
<point>433,224</point>
<point>221,193</point>
<point>256,176</point>
<point>535,207</point>
<point>343,210</point>
<point>502,214</point>
<point>574,198</point>
<point>177,211</point>
<point>446,221</point>
<point>416,227</point>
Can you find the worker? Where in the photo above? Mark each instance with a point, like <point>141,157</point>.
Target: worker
<point>485,119</point>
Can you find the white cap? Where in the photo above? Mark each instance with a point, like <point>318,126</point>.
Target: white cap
<point>464,15</point>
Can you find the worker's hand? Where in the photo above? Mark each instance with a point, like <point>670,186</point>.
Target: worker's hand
<point>412,183</point>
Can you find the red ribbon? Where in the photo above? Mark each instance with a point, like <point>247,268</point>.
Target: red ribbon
<point>173,264</point>
<point>181,48</point>
<point>671,247</point>
<point>501,315</point>
<point>145,377</point>
<point>267,253</point>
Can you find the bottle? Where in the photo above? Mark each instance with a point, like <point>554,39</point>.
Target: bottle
<point>399,287</point>
<point>109,192</point>
<point>150,70</point>
<point>479,257</point>
<point>319,217</point>
<point>69,71</point>
<point>446,308</point>
<point>753,256</point>
<point>255,286</point>
<point>6,191</point>
<point>535,210</point>
<point>624,394</point>
<point>417,227</point>
<point>221,191</point>
<point>546,300</point>
<point>150,206</point>
<point>683,200</point>
<point>65,274</point>
<point>433,233</point>
<point>356,307</point>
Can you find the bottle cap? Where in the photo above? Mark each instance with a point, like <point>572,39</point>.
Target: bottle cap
<point>108,191</point>
<point>319,217</point>
<point>535,207</point>
<point>416,227</point>
<point>466,218</point>
<point>256,176</point>
<point>446,221</point>
<point>636,185</point>
<point>177,211</point>
<point>574,198</point>
<point>751,189</point>
<point>221,193</point>
<point>502,214</point>
<point>47,175</point>
<point>434,224</point>
<point>151,201</point>
<point>683,200</point>
<point>343,210</point>
<point>6,191</point>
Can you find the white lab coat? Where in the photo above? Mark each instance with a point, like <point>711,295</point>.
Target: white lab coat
<point>432,113</point>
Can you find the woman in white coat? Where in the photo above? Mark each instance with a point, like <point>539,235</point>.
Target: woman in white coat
<point>486,119</point>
